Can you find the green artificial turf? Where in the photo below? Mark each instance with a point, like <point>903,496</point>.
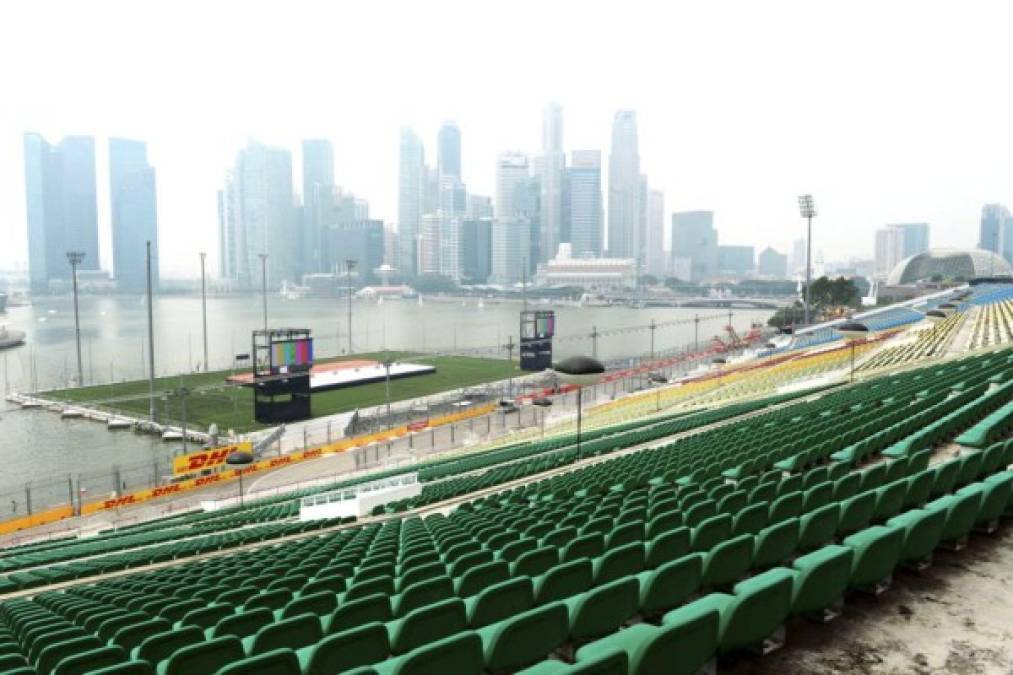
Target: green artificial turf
<point>232,407</point>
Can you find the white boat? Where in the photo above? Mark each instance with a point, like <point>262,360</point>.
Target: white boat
<point>118,423</point>
<point>172,435</point>
<point>71,413</point>
<point>10,338</point>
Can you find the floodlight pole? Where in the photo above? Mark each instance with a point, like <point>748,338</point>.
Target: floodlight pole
<point>152,406</point>
<point>204,306</point>
<point>807,207</point>
<point>349,266</point>
<point>75,258</point>
<point>263,284</point>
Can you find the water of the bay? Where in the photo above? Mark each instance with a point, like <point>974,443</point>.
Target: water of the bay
<point>37,445</point>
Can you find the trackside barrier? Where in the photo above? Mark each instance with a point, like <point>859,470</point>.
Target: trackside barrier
<point>187,485</point>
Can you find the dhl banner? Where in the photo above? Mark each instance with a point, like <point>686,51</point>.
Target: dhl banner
<point>215,457</point>
<point>206,459</point>
<point>36,519</point>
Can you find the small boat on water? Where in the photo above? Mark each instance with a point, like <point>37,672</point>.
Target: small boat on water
<point>118,423</point>
<point>10,337</point>
<point>172,435</point>
<point>71,413</point>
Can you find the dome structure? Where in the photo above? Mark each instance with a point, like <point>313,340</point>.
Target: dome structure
<point>949,263</point>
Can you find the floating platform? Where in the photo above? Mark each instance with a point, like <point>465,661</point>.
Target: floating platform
<point>342,374</point>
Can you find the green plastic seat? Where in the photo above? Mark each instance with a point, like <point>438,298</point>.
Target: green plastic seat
<point>535,562</point>
<point>945,477</point>
<point>460,653</point>
<point>426,624</point>
<point>160,646</point>
<point>54,653</point>
<point>666,547</point>
<point>124,668</point>
<point>847,486</point>
<point>711,532</point>
<point>922,530</point>
<point>961,514</point>
<point>873,477</point>
<point>856,513</point>
<point>820,579</point>
<point>364,610</point>
<point>500,601</point>
<point>584,546</point>
<point>276,662</point>
<point>818,527</point>
<point>619,562</point>
<point>970,465</point>
<point>775,543</point>
<point>681,646</point>
<point>758,607</point>
<point>603,609</point>
<point>670,584</point>
<point>750,520</point>
<point>422,593</point>
<point>526,638</point>
<point>93,659</point>
<point>877,551</point>
<point>919,486</point>
<point>817,496</point>
<point>614,662</point>
<point>481,576</point>
<point>321,603</point>
<point>242,624</point>
<point>889,500</point>
<point>131,636</point>
<point>728,561</point>
<point>786,506</point>
<point>338,652</point>
<point>564,580</point>
<point>108,628</point>
<point>995,497</point>
<point>294,632</point>
<point>204,657</point>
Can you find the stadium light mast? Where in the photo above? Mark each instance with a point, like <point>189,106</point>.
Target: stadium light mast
<point>75,258</point>
<point>263,283</point>
<point>807,207</point>
<point>349,266</point>
<point>204,305</point>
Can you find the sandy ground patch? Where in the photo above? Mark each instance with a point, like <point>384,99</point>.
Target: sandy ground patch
<point>954,617</point>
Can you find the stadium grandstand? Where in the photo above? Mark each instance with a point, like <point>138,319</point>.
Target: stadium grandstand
<point>696,523</point>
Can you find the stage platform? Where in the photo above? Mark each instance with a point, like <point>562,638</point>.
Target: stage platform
<point>341,374</point>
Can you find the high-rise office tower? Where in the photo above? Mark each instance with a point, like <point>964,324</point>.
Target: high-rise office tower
<point>695,240</point>
<point>995,232</point>
<point>624,237</point>
<point>914,238</point>
<point>479,206</point>
<point>412,182</point>
<point>899,241</point>
<point>655,254</point>
<point>511,230</point>
<point>448,159</point>
<point>476,250</point>
<point>133,206</point>
<point>889,249</point>
<point>61,205</point>
<point>318,204</point>
<point>797,262</point>
<point>736,261</point>
<point>772,264</point>
<point>554,166</point>
<point>584,188</point>
<point>257,215</point>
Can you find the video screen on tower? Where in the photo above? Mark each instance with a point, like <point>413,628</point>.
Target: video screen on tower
<point>291,356</point>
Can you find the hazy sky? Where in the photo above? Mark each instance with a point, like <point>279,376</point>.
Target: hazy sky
<point>886,111</point>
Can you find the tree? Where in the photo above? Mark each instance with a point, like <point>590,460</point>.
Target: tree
<point>828,294</point>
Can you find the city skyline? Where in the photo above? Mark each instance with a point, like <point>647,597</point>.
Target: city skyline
<point>739,138</point>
